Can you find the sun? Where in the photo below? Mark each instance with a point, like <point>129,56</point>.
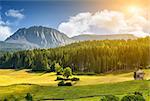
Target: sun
<point>134,9</point>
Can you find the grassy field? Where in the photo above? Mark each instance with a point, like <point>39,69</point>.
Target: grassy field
<point>75,92</point>
<point>9,77</point>
<point>43,86</point>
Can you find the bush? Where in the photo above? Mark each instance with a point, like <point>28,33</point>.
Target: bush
<point>75,79</point>
<point>5,99</point>
<point>58,69</point>
<point>59,78</point>
<point>110,98</point>
<point>68,84</point>
<point>138,93</point>
<point>67,72</point>
<point>28,97</point>
<point>61,83</point>
<point>133,98</point>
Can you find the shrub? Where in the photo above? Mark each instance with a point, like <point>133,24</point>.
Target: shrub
<point>133,98</point>
<point>75,79</point>
<point>110,98</point>
<point>58,69</point>
<point>29,97</point>
<point>138,93</point>
<point>61,83</point>
<point>5,99</point>
<point>67,72</point>
<point>68,84</point>
<point>59,78</point>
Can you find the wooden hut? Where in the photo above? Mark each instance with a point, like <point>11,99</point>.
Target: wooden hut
<point>139,74</point>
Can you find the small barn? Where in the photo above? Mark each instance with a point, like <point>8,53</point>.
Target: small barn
<point>139,74</point>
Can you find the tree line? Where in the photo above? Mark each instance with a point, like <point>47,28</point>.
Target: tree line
<point>97,56</point>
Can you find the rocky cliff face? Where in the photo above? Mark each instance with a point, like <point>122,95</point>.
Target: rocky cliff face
<point>39,37</point>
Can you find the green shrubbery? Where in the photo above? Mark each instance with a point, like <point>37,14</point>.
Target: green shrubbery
<point>66,79</point>
<point>29,97</point>
<point>58,69</point>
<point>5,99</point>
<point>75,79</point>
<point>59,78</point>
<point>137,96</point>
<point>68,84</point>
<point>62,83</point>
<point>67,72</point>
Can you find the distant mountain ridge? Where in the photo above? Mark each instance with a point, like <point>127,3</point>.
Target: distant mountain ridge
<point>86,37</point>
<point>44,37</point>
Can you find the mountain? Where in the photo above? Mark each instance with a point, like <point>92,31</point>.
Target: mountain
<point>86,37</point>
<point>39,37</point>
<point>44,37</point>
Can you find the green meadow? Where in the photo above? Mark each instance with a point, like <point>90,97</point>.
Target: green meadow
<point>16,84</point>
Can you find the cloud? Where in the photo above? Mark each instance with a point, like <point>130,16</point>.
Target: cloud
<point>105,22</point>
<point>76,25</point>
<point>15,13</point>
<point>5,30</point>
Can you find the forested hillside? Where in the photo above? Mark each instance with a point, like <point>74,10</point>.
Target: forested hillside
<point>88,56</point>
<point>1,53</point>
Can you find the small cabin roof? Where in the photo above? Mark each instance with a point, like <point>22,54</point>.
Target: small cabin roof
<point>140,71</point>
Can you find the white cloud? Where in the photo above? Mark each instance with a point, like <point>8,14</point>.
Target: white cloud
<point>76,25</point>
<point>5,30</point>
<point>15,13</point>
<point>105,22</point>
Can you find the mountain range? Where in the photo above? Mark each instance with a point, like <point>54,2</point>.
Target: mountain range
<point>44,37</point>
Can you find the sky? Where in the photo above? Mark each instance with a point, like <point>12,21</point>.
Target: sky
<point>76,17</point>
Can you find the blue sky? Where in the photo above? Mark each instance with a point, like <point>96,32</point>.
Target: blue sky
<point>72,17</point>
<point>48,13</point>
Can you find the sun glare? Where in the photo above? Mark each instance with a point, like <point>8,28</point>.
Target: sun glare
<point>134,9</point>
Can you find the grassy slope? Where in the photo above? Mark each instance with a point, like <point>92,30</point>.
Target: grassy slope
<point>9,77</point>
<point>88,85</point>
<point>40,92</point>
